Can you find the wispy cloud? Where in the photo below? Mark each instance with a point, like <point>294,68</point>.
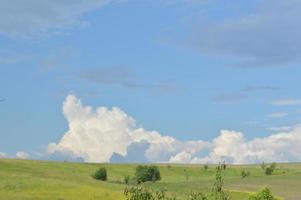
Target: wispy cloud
<point>286,102</point>
<point>244,93</point>
<point>13,59</point>
<point>277,115</point>
<point>265,36</point>
<point>281,128</point>
<point>126,78</point>
<point>33,17</point>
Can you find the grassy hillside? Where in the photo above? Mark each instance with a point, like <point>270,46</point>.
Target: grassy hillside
<point>33,180</point>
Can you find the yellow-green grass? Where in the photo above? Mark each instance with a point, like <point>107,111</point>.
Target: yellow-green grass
<point>33,180</point>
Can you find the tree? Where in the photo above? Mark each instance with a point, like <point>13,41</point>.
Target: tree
<point>245,173</point>
<point>126,180</point>
<point>206,167</point>
<point>263,166</point>
<point>147,173</point>
<point>101,174</point>
<point>269,170</point>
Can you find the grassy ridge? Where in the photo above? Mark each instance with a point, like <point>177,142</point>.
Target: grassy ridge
<point>33,180</point>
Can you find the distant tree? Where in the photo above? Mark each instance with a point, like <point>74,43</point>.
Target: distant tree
<point>245,173</point>
<point>269,170</point>
<point>206,167</point>
<point>263,166</point>
<point>273,166</point>
<point>147,173</point>
<point>186,174</point>
<point>126,180</point>
<point>101,174</point>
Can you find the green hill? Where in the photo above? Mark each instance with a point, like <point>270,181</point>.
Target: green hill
<point>33,180</point>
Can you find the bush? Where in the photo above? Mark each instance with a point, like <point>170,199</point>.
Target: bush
<point>273,166</point>
<point>139,193</point>
<point>147,173</point>
<point>126,180</point>
<point>206,167</point>
<point>269,171</point>
<point>101,174</point>
<point>263,166</point>
<point>245,173</point>
<point>264,194</point>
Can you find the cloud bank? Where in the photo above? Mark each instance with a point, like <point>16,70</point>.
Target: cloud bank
<point>110,135</point>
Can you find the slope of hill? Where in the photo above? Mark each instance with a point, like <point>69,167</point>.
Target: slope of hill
<point>33,180</point>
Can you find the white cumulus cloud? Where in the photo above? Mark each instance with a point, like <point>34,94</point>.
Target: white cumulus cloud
<point>97,135</point>
<point>22,155</point>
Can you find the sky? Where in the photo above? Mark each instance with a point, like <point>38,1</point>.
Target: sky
<point>151,81</point>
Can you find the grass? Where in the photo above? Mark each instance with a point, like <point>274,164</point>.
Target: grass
<point>35,180</point>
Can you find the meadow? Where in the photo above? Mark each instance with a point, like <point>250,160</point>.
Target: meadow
<point>39,180</point>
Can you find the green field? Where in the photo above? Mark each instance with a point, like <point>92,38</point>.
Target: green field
<point>32,180</point>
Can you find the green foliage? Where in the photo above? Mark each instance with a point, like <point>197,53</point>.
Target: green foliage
<point>217,192</point>
<point>269,170</point>
<point>126,180</point>
<point>206,167</point>
<point>197,196</point>
<point>263,166</point>
<point>101,174</point>
<point>147,173</point>
<point>245,173</point>
<point>273,166</point>
<point>186,175</point>
<point>264,194</point>
<point>139,193</point>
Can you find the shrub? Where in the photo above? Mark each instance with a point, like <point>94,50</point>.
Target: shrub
<point>147,173</point>
<point>126,180</point>
<point>245,173</point>
<point>139,193</point>
<point>206,167</point>
<point>273,166</point>
<point>269,171</point>
<point>264,194</point>
<point>263,166</point>
<point>100,174</point>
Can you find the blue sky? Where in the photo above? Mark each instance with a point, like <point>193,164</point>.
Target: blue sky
<point>184,68</point>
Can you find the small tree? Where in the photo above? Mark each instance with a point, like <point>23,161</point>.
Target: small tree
<point>101,174</point>
<point>273,166</point>
<point>206,167</point>
<point>269,170</point>
<point>217,192</point>
<point>147,173</point>
<point>126,180</point>
<point>245,173</point>
<point>263,166</point>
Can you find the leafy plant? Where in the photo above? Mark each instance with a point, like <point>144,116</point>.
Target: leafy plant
<point>147,173</point>
<point>139,193</point>
<point>245,173</point>
<point>101,174</point>
<point>264,194</point>
<point>126,180</point>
